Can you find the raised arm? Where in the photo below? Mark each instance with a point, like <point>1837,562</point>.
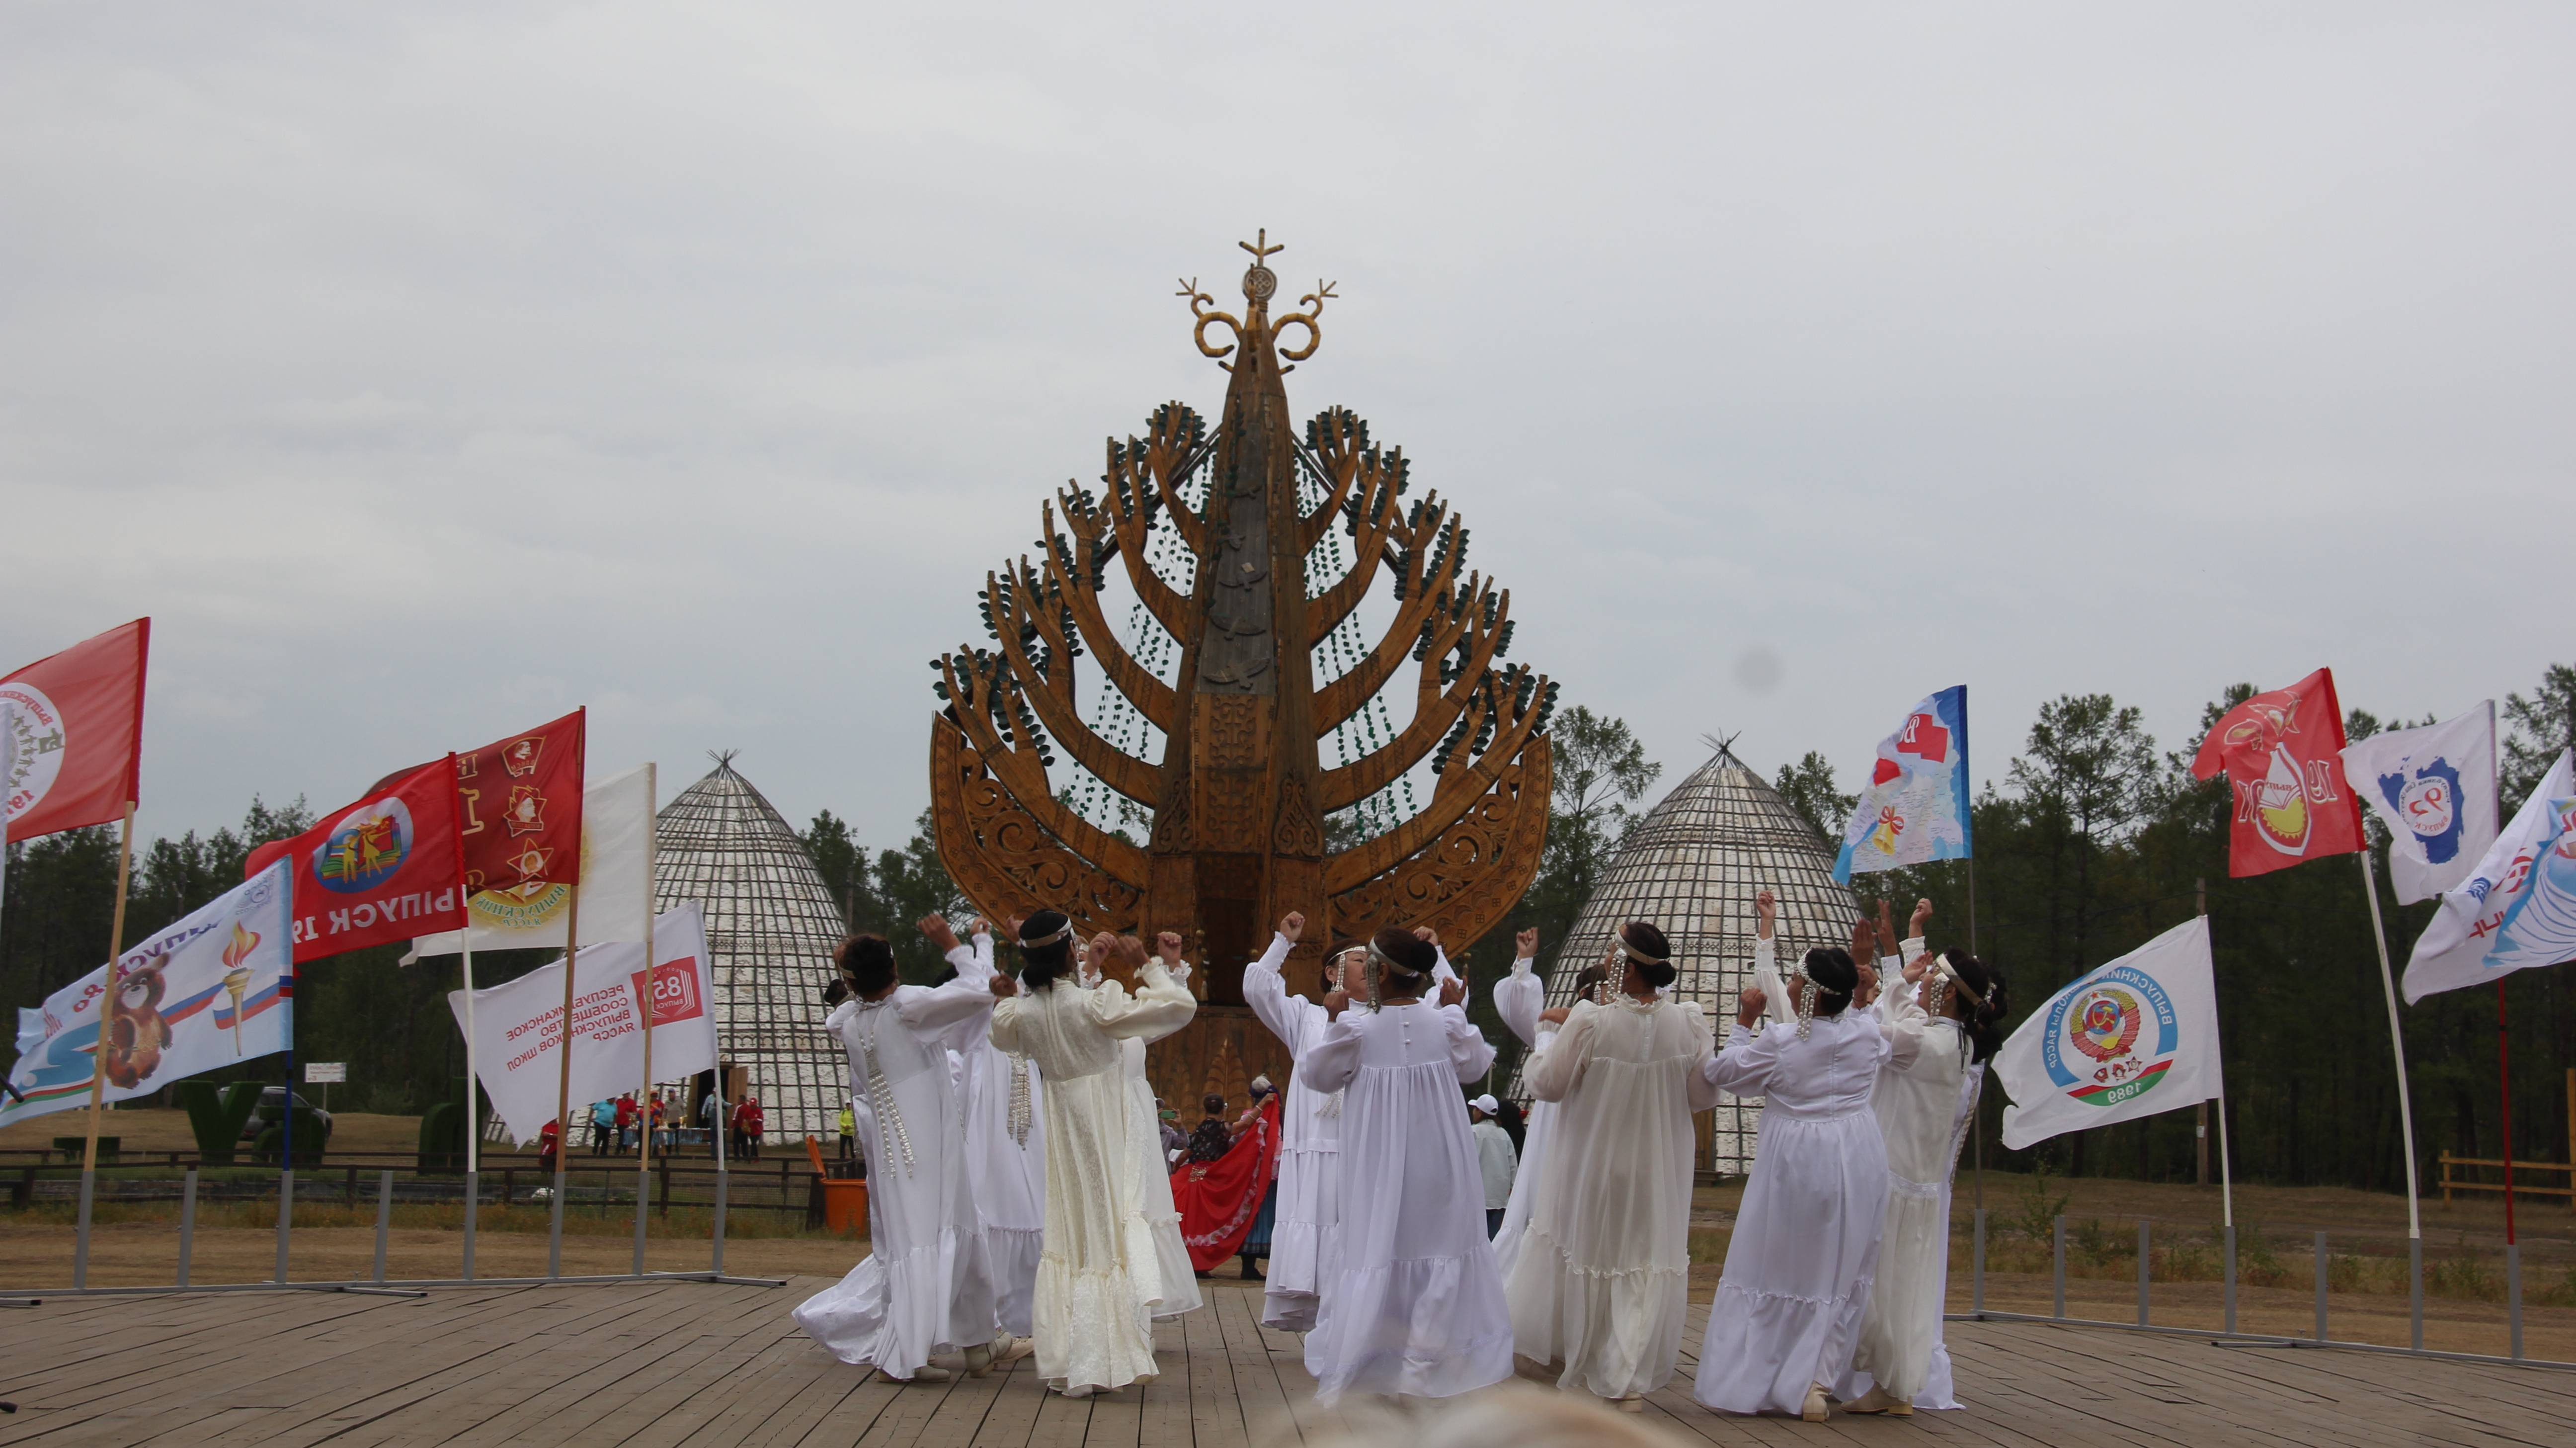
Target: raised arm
<point>1521,995</point>
<point>1334,1060</point>
<point>958,1009</point>
<point>1699,1087</point>
<point>1470,1054</point>
<point>1159,1007</point>
<point>1266,990</point>
<point>1744,1067</point>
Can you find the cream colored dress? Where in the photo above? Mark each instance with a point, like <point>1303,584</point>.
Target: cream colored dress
<point>1099,1276</point>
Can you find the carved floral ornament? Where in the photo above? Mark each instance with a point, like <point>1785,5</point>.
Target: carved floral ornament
<point>1239,799</point>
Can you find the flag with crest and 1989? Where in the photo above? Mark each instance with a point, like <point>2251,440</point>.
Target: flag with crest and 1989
<point>2282,752</point>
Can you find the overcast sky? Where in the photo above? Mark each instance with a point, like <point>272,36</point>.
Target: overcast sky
<point>427,371</point>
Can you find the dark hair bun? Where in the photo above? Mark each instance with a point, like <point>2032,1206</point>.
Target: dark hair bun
<point>1406,951</point>
<point>866,962</point>
<point>1835,977</point>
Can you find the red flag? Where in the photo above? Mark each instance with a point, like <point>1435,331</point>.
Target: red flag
<point>2283,754</point>
<point>1219,1199</point>
<point>383,869</point>
<point>519,811</point>
<point>74,752</point>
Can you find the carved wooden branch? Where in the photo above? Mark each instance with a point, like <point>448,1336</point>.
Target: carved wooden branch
<point>1054,695</point>
<point>1016,766</point>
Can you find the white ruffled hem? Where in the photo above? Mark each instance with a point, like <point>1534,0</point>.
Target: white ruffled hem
<point>893,1314</point>
<point>1427,1327</point>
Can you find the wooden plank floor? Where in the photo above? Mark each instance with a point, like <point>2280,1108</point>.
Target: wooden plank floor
<point>666,1364</point>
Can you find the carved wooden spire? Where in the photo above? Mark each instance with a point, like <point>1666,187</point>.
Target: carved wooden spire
<point>1239,798</point>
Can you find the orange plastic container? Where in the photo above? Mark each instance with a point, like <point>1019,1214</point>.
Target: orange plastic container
<point>845,1200</point>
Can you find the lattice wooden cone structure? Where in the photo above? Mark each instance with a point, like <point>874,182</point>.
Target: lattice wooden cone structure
<point>1239,797</point>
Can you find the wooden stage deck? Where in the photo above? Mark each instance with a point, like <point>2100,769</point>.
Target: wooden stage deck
<point>693,1363</point>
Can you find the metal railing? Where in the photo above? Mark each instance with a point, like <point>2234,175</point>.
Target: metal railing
<point>718,1185</point>
<point>2228,1334</point>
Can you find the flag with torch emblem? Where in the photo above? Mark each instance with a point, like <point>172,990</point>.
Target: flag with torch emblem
<point>2282,753</point>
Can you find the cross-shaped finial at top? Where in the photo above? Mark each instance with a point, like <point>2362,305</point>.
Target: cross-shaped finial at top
<point>1260,247</point>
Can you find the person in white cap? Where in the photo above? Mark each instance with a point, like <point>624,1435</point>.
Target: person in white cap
<point>1496,1158</point>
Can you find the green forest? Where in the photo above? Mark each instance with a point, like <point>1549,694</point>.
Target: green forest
<point>2091,839</point>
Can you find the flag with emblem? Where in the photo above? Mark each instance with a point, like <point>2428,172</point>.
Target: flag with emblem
<point>616,834</point>
<point>2435,789</point>
<point>1914,809</point>
<point>2128,1039</point>
<point>519,812</point>
<point>73,741</point>
<point>2517,909</point>
<point>382,869</point>
<point>2282,753</point>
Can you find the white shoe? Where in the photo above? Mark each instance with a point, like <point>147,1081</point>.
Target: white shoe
<point>1008,1349</point>
<point>1084,1391</point>
<point>923,1374</point>
<point>1817,1409</point>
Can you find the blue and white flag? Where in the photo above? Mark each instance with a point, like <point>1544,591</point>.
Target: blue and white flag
<point>1915,807</point>
<point>215,989</point>
<point>2127,1039</point>
<point>2435,789</point>
<point>2517,909</point>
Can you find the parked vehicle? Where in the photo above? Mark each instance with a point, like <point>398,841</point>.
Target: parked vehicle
<point>272,1108</point>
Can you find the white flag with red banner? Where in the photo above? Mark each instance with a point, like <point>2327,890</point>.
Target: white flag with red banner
<point>518,1027</point>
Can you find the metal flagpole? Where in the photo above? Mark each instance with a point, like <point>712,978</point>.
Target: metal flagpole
<point>652,992</point>
<point>563,1077</point>
<point>106,1032</point>
<point>2405,1099</point>
<point>473,1082</point>
<point>2226,1173</point>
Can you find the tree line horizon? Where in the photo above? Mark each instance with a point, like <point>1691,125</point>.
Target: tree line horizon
<point>2095,840</point>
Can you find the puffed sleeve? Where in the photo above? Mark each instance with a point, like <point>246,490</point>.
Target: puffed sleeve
<point>1443,972</point>
<point>1902,1020</point>
<point>1744,1067</point>
<point>1006,1018</point>
<point>945,1010</point>
<point>1159,1007</point>
<point>973,961</point>
<point>1698,1086</point>
<point>1553,1071</point>
<point>1518,998</point>
<point>1266,991</point>
<point>1767,978</point>
<point>1334,1059</point>
<point>1470,1054</point>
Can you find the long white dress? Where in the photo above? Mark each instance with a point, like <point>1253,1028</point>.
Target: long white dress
<point>1797,1280</point>
<point>1602,1279</point>
<point>1518,999</point>
<point>1099,1277</point>
<point>1302,1240</point>
<point>1414,1306</point>
<point>926,1285</point>
<point>1924,1095</point>
<point>1005,1150</point>
<point>1176,1281</point>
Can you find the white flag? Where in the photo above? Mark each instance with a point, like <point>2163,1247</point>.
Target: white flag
<point>616,819</point>
<point>2517,909</point>
<point>215,989</point>
<point>2435,789</point>
<point>518,1027</point>
<point>2129,1039</point>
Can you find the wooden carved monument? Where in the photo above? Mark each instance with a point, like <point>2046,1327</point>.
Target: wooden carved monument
<point>1240,820</point>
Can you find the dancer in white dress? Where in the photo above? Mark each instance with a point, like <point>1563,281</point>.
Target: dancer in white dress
<point>1520,998</point>
<point>1098,1277</point>
<point>1176,1281</point>
<point>1797,1279</point>
<point>1005,1136</point>
<point>1941,1025</point>
<point>926,1286</point>
<point>1602,1278</point>
<point>1414,1305</point>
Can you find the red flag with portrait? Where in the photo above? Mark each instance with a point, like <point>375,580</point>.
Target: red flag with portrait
<point>73,752</point>
<point>518,807</point>
<point>2283,755</point>
<point>380,870</point>
<point>1219,1199</point>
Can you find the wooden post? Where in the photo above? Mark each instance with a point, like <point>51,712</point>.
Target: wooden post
<point>107,1002</point>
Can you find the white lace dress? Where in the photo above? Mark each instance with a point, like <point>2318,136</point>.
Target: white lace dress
<point>1924,1096</point>
<point>926,1285</point>
<point>1518,999</point>
<point>1179,1281</point>
<point>1797,1280</point>
<point>1005,1150</point>
<point>1602,1278</point>
<point>1415,1305</point>
<point>1099,1276</point>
